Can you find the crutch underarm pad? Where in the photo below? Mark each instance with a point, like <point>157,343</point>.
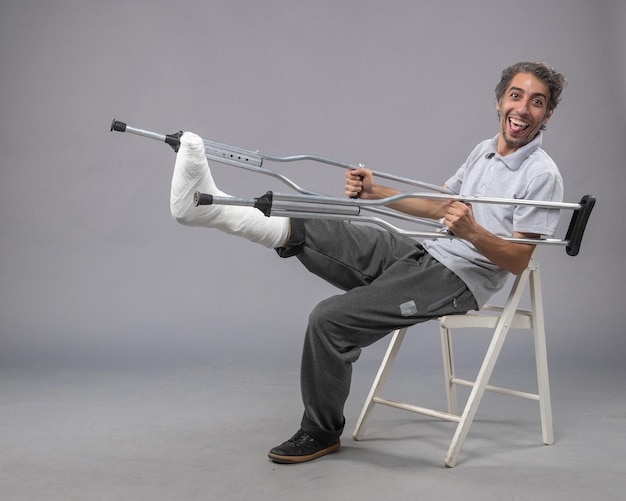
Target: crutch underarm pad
<point>576,229</point>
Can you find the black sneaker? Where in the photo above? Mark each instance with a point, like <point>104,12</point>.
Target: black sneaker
<point>300,448</point>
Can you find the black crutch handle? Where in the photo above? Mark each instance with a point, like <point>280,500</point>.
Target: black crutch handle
<point>577,224</point>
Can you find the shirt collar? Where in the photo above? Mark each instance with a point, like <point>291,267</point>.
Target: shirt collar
<point>515,160</point>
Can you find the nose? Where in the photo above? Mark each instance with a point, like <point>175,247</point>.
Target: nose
<point>523,107</point>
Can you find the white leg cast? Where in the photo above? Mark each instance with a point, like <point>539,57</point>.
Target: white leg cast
<point>191,174</point>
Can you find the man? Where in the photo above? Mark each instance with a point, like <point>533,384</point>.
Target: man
<point>392,281</point>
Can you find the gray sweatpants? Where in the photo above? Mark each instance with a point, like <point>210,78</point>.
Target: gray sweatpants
<point>389,281</point>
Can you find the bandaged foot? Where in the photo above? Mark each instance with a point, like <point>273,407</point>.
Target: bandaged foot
<point>191,174</point>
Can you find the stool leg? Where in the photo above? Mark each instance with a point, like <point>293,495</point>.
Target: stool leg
<point>473,401</point>
<point>541,357</point>
<point>448,370</point>
<point>486,369</point>
<point>379,382</point>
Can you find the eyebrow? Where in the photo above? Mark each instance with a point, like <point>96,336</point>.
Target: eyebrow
<point>536,94</point>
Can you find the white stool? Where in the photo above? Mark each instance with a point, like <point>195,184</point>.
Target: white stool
<point>500,319</point>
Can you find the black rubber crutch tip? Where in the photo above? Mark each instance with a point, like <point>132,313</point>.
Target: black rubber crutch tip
<point>118,126</point>
<point>202,199</point>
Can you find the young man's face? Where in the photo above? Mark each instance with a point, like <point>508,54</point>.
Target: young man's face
<point>523,110</point>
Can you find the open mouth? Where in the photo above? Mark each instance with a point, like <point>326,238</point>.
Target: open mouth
<point>517,126</point>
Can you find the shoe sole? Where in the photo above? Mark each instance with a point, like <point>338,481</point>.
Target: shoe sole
<point>303,459</point>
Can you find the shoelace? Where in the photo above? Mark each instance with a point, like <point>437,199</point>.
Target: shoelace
<point>301,438</point>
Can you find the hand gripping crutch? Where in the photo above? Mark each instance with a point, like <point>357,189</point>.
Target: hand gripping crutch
<point>310,204</point>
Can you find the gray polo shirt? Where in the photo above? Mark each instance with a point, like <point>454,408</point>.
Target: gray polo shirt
<point>529,174</point>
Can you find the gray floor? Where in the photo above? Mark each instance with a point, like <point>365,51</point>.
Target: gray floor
<point>203,433</point>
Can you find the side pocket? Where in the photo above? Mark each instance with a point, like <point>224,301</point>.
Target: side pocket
<point>447,300</point>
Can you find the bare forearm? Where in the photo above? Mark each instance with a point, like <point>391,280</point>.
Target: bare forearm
<point>510,256</point>
<point>360,183</point>
<point>433,209</point>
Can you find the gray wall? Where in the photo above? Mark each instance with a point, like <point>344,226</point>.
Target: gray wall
<point>95,272</point>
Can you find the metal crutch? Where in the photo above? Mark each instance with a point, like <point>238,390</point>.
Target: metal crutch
<point>311,204</point>
<point>252,160</point>
<point>305,206</point>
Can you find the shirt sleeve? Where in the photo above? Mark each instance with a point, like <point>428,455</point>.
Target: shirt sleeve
<point>546,187</point>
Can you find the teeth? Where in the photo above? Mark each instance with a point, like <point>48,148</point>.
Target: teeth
<point>519,123</point>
